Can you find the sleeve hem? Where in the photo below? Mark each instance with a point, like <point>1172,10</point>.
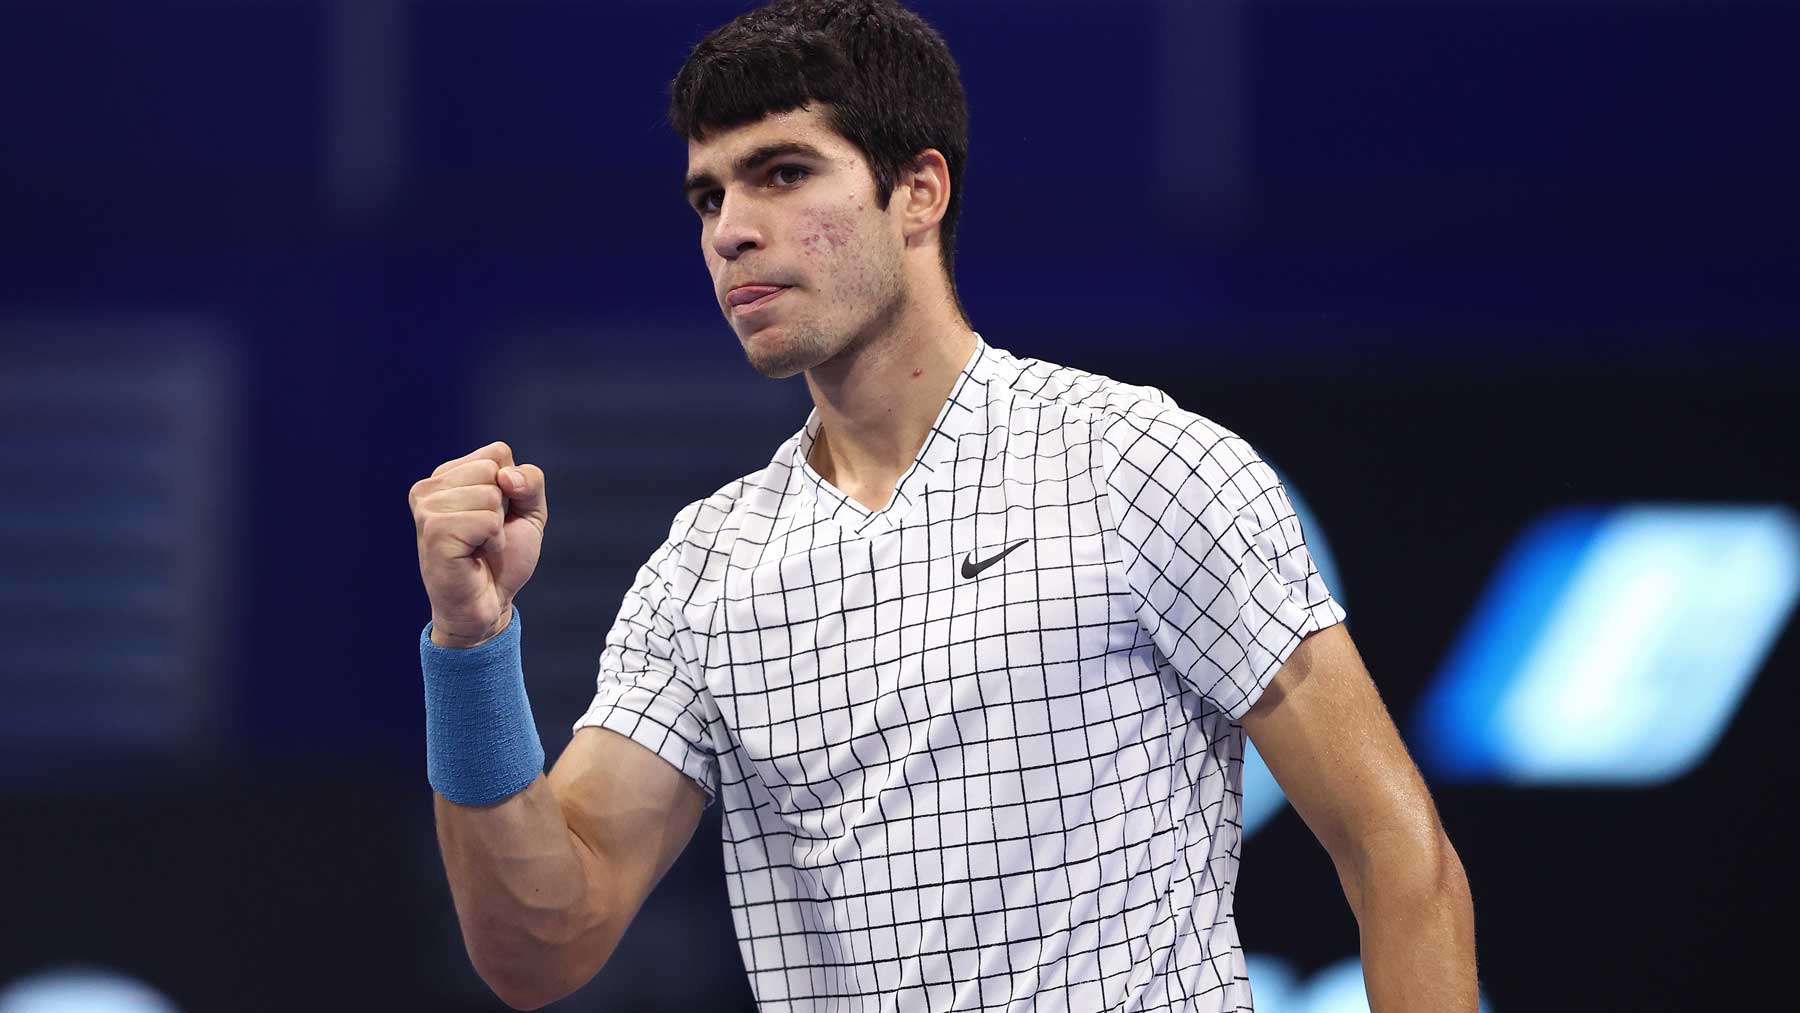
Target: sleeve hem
<point>647,732</point>
<point>1324,615</point>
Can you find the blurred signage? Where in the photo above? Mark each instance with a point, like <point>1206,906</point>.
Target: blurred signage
<point>122,546</point>
<point>1613,645</point>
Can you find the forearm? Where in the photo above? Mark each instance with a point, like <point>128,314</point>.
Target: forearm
<point>522,887</point>
<point>1417,923</point>
<point>526,893</point>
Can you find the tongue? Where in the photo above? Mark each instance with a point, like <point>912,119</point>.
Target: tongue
<point>751,293</point>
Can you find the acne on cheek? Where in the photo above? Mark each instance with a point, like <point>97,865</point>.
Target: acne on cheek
<point>824,234</point>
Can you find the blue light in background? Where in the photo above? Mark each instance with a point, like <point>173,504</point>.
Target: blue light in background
<point>1274,985</point>
<point>1316,544</point>
<point>1613,645</point>
<point>1263,797</point>
<point>79,989</point>
<point>1278,988</point>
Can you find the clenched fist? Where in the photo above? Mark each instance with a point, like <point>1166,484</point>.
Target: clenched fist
<point>480,524</point>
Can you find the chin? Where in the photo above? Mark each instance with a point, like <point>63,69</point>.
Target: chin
<point>780,352</point>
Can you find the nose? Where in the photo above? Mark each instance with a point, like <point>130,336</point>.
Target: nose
<point>736,231</point>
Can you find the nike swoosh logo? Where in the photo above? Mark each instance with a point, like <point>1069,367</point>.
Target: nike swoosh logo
<point>970,567</point>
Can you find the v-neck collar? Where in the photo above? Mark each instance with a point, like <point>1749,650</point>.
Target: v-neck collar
<point>961,411</point>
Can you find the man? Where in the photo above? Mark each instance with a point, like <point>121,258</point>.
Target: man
<point>968,664</point>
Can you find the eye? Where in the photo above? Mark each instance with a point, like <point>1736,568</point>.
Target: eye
<point>708,202</point>
<point>788,175</point>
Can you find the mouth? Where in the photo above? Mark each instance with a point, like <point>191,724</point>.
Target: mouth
<point>748,299</point>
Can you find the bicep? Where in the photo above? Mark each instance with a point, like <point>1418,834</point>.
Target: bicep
<point>629,810</point>
<point>1326,736</point>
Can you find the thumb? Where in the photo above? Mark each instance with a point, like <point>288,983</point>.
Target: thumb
<point>524,488</point>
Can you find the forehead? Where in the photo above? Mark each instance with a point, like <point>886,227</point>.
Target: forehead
<point>722,148</point>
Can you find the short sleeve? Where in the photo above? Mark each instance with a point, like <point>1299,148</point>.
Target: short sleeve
<point>1213,553</point>
<point>646,690</point>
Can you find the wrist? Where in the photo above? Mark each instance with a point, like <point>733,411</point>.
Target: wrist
<point>462,642</point>
<point>481,743</point>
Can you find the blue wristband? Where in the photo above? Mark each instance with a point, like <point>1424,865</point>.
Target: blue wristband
<point>481,744</point>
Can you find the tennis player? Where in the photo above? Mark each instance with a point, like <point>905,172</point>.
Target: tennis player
<point>967,665</point>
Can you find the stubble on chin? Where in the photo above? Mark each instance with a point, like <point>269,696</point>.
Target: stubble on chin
<point>802,348</point>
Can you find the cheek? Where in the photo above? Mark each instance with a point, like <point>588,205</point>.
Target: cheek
<point>827,232</point>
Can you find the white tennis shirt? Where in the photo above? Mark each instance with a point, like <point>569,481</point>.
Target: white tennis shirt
<point>979,749</point>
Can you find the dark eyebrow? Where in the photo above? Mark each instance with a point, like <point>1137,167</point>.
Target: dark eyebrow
<point>756,158</point>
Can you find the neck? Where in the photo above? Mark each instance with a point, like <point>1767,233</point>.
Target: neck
<point>878,398</point>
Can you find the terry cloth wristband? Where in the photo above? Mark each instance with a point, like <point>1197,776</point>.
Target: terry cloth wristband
<point>481,744</point>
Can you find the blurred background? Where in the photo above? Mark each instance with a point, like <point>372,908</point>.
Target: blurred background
<point>1507,291</point>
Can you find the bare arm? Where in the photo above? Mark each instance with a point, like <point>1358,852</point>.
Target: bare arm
<point>546,881</point>
<point>1330,743</point>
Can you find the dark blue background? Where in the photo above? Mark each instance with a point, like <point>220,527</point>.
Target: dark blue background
<point>1448,264</point>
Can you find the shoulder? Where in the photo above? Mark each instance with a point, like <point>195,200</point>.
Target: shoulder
<point>1147,433</point>
<point>1134,424</point>
<point>1047,383</point>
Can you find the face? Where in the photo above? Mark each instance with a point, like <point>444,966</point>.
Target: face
<point>804,263</point>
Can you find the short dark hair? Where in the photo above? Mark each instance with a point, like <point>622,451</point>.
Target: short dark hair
<point>891,84</point>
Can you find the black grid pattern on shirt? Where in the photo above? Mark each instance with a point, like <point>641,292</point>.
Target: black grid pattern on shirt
<point>1014,791</point>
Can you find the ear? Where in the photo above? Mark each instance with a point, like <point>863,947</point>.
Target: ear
<point>923,193</point>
